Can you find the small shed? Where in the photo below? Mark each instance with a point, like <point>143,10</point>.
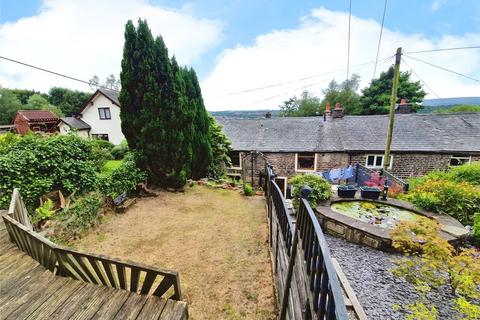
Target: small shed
<point>35,120</point>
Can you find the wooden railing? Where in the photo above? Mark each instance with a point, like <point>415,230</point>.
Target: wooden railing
<point>306,281</point>
<point>90,268</point>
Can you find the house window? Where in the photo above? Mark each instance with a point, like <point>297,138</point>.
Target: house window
<point>101,136</point>
<point>236,159</point>
<point>375,161</point>
<point>104,113</point>
<point>282,184</point>
<point>459,160</point>
<point>305,161</point>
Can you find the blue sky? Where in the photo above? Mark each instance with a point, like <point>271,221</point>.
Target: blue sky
<point>240,25</point>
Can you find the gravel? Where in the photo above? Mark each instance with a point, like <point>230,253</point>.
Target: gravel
<point>376,288</point>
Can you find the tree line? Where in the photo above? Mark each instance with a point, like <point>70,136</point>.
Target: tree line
<point>61,101</point>
<point>373,99</point>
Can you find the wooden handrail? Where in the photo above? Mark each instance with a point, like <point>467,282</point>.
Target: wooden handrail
<point>86,267</point>
<point>304,242</point>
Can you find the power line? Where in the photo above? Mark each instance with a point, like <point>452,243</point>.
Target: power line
<point>380,38</point>
<point>445,69</point>
<point>423,81</point>
<point>302,79</point>
<point>445,49</point>
<point>56,73</point>
<point>348,45</point>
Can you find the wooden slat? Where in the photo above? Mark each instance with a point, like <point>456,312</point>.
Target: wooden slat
<point>152,308</point>
<point>93,304</point>
<point>122,279</point>
<point>112,306</point>
<point>132,307</point>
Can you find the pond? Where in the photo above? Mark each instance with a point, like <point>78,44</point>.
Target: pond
<point>381,215</point>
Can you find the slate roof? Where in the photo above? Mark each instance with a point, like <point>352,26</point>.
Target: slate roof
<point>76,123</point>
<point>412,133</point>
<point>38,115</point>
<point>110,94</point>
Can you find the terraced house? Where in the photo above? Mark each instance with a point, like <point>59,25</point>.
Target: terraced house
<point>421,143</point>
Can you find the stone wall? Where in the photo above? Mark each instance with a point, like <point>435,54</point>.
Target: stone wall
<point>404,164</point>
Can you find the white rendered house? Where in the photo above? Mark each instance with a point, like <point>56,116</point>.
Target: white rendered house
<point>102,113</point>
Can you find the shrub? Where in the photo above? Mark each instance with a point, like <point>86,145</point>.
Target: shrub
<point>467,173</point>
<point>7,141</point>
<point>101,152</point>
<point>119,152</point>
<point>247,190</point>
<point>458,199</point>
<point>83,214</point>
<point>37,165</point>
<point>321,189</point>
<point>43,212</point>
<point>122,179</point>
<point>476,226</point>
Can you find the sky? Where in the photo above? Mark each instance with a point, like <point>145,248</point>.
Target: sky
<point>248,54</point>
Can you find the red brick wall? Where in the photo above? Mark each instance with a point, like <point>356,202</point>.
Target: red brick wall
<point>21,125</point>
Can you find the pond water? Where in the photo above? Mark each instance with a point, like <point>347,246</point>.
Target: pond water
<point>378,214</point>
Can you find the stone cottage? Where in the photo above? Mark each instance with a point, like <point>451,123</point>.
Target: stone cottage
<point>421,143</point>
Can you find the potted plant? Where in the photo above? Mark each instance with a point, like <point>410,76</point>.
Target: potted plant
<point>346,191</point>
<point>370,192</point>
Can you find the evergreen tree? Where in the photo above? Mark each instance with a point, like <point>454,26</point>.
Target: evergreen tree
<point>376,97</point>
<point>163,116</point>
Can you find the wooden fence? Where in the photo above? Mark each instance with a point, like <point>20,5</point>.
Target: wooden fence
<point>306,280</point>
<point>85,267</point>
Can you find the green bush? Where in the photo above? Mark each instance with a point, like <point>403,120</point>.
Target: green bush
<point>119,180</point>
<point>44,212</point>
<point>119,152</point>
<point>83,214</point>
<point>101,151</point>
<point>467,173</point>
<point>321,189</point>
<point>476,225</point>
<point>7,141</point>
<point>248,190</point>
<point>37,165</point>
<point>458,199</point>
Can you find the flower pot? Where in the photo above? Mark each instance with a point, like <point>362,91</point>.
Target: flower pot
<point>371,193</point>
<point>346,191</point>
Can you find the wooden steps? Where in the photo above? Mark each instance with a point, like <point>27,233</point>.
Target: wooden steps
<point>29,291</point>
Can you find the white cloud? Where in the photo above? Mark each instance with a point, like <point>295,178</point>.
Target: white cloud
<point>319,45</point>
<point>437,4</point>
<point>83,38</point>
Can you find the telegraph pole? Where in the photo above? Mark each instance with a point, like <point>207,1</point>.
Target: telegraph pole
<point>391,118</point>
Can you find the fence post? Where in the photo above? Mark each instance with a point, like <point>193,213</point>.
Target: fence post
<point>304,193</point>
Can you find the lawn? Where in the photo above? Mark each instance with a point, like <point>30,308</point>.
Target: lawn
<point>216,239</point>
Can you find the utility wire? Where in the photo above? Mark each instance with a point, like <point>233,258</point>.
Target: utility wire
<point>301,79</point>
<point>445,49</point>
<point>445,69</point>
<point>56,73</point>
<point>380,39</point>
<point>423,81</point>
<point>348,45</point>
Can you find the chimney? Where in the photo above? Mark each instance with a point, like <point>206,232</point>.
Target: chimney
<point>328,111</point>
<point>403,107</point>
<point>338,111</point>
<point>268,115</point>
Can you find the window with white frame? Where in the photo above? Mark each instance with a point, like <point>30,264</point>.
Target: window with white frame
<point>459,160</point>
<point>236,159</point>
<point>100,136</point>
<point>305,161</point>
<point>104,113</point>
<point>375,161</point>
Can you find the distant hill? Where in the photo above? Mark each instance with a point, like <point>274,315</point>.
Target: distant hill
<point>431,104</point>
<point>246,114</point>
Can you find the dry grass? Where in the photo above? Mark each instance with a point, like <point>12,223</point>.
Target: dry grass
<point>216,239</point>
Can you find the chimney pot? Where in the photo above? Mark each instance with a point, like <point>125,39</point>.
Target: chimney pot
<point>338,106</point>
<point>338,111</point>
<point>403,101</point>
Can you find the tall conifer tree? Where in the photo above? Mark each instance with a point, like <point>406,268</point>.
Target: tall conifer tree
<point>163,116</point>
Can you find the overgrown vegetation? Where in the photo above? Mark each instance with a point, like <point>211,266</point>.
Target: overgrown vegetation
<point>431,262</point>
<point>123,178</point>
<point>321,189</point>
<point>37,165</point>
<point>248,189</point>
<point>455,192</point>
<point>457,109</point>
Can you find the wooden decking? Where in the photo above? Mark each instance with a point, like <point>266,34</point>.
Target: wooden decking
<point>29,291</point>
